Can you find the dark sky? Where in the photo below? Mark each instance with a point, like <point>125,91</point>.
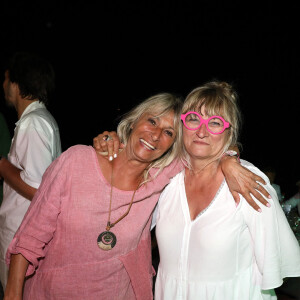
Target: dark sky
<point>111,55</point>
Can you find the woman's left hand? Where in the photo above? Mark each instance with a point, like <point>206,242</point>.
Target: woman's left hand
<point>242,181</point>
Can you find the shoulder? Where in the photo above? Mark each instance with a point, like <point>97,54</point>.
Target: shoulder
<point>270,189</point>
<point>78,151</point>
<point>175,182</point>
<point>255,170</point>
<point>171,170</point>
<point>38,118</point>
<point>76,157</point>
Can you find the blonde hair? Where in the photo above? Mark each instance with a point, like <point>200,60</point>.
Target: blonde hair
<point>157,105</point>
<point>219,98</point>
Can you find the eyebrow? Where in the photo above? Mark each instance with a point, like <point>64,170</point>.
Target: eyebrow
<point>159,118</point>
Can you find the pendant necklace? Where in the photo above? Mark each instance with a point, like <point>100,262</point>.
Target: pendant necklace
<point>107,239</point>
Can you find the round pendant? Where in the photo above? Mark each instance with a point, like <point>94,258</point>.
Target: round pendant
<point>106,240</point>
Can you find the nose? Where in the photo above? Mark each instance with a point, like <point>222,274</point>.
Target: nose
<point>156,133</point>
<point>202,131</point>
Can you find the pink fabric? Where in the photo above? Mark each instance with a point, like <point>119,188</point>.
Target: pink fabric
<point>58,235</point>
<point>134,262</point>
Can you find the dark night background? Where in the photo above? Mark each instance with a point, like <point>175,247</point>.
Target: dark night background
<point>110,55</point>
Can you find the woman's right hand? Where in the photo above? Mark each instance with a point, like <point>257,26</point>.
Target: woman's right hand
<point>108,146</point>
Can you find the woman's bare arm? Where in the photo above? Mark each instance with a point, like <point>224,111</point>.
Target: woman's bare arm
<point>16,276</point>
<point>242,181</point>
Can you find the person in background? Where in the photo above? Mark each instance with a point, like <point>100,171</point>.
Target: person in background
<point>210,248</point>
<point>86,234</point>
<point>29,79</point>
<point>5,140</point>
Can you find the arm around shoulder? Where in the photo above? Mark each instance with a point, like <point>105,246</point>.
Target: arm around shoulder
<point>244,181</point>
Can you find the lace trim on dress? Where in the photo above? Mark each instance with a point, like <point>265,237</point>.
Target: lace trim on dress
<point>212,201</point>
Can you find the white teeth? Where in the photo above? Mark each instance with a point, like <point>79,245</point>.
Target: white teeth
<point>147,144</point>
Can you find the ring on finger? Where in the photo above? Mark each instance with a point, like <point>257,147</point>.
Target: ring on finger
<point>107,138</point>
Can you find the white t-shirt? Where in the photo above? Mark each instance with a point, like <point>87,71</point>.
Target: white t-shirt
<point>36,143</point>
<point>227,252</point>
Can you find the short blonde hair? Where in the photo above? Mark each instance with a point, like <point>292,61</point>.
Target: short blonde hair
<point>219,98</point>
<point>157,105</point>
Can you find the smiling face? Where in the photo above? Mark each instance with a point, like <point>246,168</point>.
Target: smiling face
<point>151,137</point>
<point>201,144</point>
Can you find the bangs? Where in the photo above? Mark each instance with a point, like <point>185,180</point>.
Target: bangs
<point>161,110</point>
<point>214,106</point>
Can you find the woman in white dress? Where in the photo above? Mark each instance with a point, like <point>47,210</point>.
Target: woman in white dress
<point>210,248</point>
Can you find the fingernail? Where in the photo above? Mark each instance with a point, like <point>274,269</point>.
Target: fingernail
<point>268,204</point>
<point>115,155</point>
<point>269,197</point>
<point>259,210</point>
<point>110,158</point>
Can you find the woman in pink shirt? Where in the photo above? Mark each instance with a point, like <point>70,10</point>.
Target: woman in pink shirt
<point>86,234</point>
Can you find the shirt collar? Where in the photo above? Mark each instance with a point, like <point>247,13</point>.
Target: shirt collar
<point>31,107</point>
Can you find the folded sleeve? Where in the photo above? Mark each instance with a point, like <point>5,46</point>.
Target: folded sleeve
<point>276,249</point>
<point>39,224</point>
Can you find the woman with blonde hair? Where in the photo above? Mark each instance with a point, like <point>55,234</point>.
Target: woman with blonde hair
<point>86,234</point>
<point>210,248</point>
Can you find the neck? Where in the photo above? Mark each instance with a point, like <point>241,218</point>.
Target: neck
<point>202,166</point>
<point>203,177</point>
<point>22,104</point>
<point>127,173</point>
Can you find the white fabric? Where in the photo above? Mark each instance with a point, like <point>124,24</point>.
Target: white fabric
<point>277,188</point>
<point>36,143</point>
<point>227,252</point>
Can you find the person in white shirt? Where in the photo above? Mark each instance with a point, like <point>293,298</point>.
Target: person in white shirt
<point>210,248</point>
<point>36,142</point>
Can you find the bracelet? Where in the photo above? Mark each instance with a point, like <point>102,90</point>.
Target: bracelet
<point>232,153</point>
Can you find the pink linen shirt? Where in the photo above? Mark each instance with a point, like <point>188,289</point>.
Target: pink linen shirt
<point>58,235</point>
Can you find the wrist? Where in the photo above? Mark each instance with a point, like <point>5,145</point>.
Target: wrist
<point>232,153</point>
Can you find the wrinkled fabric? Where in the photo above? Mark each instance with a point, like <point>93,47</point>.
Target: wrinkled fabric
<point>227,252</point>
<point>58,235</point>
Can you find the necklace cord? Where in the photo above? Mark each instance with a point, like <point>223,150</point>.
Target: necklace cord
<point>109,224</point>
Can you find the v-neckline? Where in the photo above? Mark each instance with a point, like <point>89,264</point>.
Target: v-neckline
<point>186,204</point>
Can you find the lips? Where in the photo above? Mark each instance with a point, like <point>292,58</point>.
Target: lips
<point>200,143</point>
<point>147,145</point>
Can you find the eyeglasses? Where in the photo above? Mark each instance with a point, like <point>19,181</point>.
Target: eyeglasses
<point>215,124</point>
